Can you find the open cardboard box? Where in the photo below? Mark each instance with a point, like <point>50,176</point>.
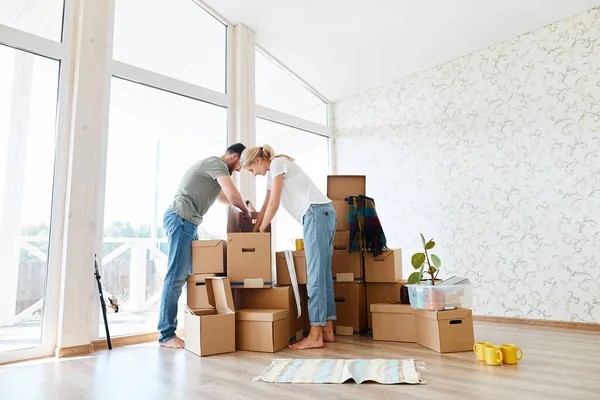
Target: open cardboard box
<point>197,296</point>
<point>209,256</point>
<point>212,331</point>
<point>248,254</point>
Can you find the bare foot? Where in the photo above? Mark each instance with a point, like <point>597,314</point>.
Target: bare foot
<point>307,343</point>
<point>328,336</point>
<point>174,343</point>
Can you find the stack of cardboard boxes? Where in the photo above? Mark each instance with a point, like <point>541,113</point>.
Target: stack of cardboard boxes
<point>347,268</point>
<point>261,316</point>
<point>237,301</point>
<point>445,331</point>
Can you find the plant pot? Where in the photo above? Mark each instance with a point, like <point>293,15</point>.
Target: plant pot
<point>433,299</point>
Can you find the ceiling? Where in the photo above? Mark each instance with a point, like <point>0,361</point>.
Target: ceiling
<point>344,47</point>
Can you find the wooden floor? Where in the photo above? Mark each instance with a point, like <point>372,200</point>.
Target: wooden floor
<point>558,364</point>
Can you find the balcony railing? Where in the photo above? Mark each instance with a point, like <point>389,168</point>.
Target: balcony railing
<point>141,251</point>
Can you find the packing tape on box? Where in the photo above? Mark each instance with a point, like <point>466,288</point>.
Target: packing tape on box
<point>289,258</point>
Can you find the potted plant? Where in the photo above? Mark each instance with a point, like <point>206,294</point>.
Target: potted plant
<point>424,262</point>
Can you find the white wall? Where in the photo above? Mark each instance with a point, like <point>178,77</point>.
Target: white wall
<point>497,156</point>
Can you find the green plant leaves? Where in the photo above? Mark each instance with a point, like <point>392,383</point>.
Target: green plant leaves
<point>432,270</point>
<point>417,260</point>
<point>436,261</point>
<point>430,245</point>
<point>415,277</point>
<point>423,239</point>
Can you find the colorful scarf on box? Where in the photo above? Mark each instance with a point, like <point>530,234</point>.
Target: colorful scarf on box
<point>366,234</point>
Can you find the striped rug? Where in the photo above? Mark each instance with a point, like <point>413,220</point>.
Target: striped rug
<point>297,370</point>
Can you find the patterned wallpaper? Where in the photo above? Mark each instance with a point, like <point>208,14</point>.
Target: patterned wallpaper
<point>497,156</point>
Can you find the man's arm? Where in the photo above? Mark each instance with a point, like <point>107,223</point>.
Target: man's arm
<point>223,199</point>
<point>273,204</point>
<point>233,195</point>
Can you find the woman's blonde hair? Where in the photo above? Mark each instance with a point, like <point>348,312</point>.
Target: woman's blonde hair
<point>265,152</point>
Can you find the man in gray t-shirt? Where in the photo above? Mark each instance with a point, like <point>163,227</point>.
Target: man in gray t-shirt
<point>202,184</point>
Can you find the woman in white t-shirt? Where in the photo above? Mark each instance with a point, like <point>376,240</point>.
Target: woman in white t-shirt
<point>288,185</point>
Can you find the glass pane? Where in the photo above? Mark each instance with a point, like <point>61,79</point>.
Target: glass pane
<point>154,136</point>
<point>42,18</point>
<point>277,89</point>
<point>28,87</point>
<point>176,38</point>
<point>311,152</point>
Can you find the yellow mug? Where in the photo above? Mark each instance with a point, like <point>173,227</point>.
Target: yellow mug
<point>512,354</point>
<point>479,350</point>
<point>299,244</point>
<point>493,355</point>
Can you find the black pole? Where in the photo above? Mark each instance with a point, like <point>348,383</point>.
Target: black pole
<point>102,303</point>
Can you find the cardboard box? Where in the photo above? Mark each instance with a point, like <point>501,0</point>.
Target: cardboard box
<point>383,293</point>
<point>341,210</point>
<point>281,297</point>
<point>212,331</point>
<point>261,330</point>
<point>209,256</point>
<point>445,331</point>
<point>346,266</point>
<point>341,186</point>
<point>393,322</point>
<point>197,296</point>
<point>384,268</point>
<point>236,223</point>
<point>249,260</point>
<point>351,309</point>
<point>283,274</point>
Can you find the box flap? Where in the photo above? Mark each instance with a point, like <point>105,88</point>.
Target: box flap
<point>206,243</point>
<point>219,294</point>
<point>392,308</point>
<point>267,315</point>
<point>199,277</point>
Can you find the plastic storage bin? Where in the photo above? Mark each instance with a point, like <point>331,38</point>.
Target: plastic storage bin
<point>440,297</point>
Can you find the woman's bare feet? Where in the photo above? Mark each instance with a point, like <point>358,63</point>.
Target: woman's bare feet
<point>174,343</point>
<point>328,336</point>
<point>314,340</point>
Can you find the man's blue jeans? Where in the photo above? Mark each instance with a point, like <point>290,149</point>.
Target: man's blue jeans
<point>319,228</point>
<point>180,234</point>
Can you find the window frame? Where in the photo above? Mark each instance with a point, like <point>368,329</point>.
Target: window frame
<point>60,52</point>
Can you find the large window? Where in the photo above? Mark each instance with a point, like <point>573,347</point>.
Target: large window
<point>279,90</point>
<point>39,17</point>
<point>154,136</point>
<point>176,38</point>
<point>28,95</point>
<point>311,152</point>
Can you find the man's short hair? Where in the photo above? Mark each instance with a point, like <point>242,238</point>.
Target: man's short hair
<point>236,148</point>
